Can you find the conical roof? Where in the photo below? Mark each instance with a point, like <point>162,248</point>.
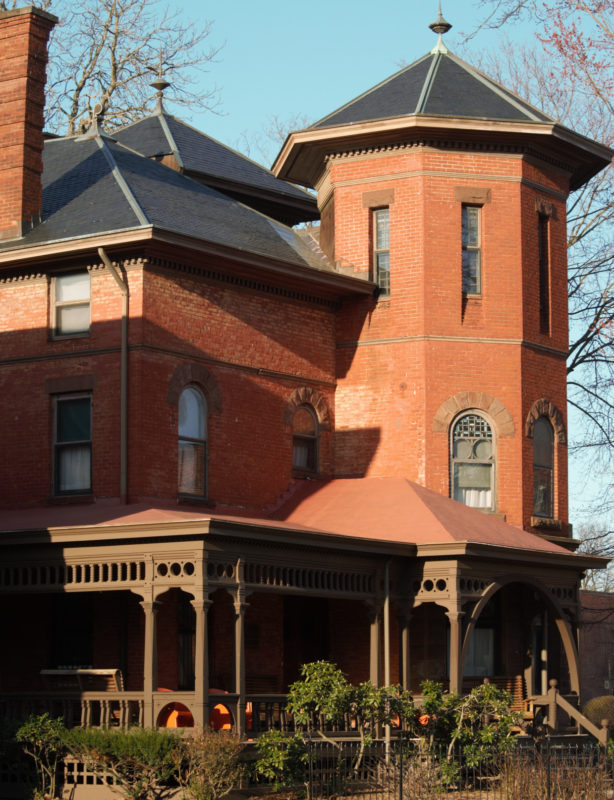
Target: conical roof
<point>438,84</point>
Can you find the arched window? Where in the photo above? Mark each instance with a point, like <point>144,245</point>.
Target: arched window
<point>305,439</point>
<point>543,468</point>
<point>192,430</point>
<point>473,462</point>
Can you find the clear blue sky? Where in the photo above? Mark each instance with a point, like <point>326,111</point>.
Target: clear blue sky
<point>284,59</point>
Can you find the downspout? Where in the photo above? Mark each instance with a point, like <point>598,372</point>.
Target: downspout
<point>123,430</point>
<point>387,646</point>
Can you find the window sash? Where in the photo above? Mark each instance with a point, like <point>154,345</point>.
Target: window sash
<point>71,304</point>
<point>73,445</point>
<point>471,249</point>
<point>192,460</point>
<point>381,249</point>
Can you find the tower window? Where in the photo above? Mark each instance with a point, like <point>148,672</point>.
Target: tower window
<point>192,442</point>
<point>473,462</point>
<point>472,251</point>
<point>71,304</point>
<point>544,272</point>
<point>543,468</point>
<point>73,445</point>
<point>305,440</point>
<point>381,250</point>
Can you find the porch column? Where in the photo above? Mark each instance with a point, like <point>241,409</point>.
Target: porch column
<point>456,645</point>
<point>201,663</point>
<point>404,618</point>
<point>150,661</point>
<point>240,605</point>
<point>375,665</point>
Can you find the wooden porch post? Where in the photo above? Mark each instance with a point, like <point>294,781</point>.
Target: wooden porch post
<point>405,669</point>
<point>201,664</point>
<point>240,605</point>
<point>375,665</point>
<point>150,661</point>
<point>456,644</point>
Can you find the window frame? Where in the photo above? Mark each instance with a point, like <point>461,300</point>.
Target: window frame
<point>312,441</point>
<point>58,446</point>
<point>549,468</point>
<point>377,252</point>
<point>544,274</point>
<point>58,305</point>
<point>194,441</point>
<point>466,247</point>
<point>491,462</point>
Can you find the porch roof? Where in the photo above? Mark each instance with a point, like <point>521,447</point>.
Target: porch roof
<point>396,509</point>
<point>380,510</point>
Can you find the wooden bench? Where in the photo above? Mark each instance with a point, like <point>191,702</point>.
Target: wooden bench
<point>83,680</point>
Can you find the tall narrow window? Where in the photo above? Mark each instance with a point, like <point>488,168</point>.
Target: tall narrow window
<point>71,304</point>
<point>472,252</point>
<point>381,250</point>
<point>543,468</point>
<point>473,462</point>
<point>305,440</point>
<point>73,445</point>
<point>544,273</point>
<point>192,430</point>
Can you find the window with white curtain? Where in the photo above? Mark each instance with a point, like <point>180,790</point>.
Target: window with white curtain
<point>192,443</point>
<point>73,444</point>
<point>473,461</point>
<point>71,304</point>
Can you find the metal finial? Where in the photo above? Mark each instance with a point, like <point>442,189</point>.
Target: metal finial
<point>94,124</point>
<point>440,26</point>
<point>160,84</point>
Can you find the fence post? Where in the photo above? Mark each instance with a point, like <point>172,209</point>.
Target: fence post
<point>548,771</point>
<point>310,761</point>
<point>400,746</point>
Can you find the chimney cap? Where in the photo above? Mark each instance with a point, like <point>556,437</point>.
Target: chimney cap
<point>39,12</point>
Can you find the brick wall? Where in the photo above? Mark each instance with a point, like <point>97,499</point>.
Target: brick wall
<point>23,58</point>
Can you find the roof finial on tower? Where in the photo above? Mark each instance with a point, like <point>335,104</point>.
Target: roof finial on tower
<point>440,26</point>
<point>160,84</point>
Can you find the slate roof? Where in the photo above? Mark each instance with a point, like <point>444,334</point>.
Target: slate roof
<point>211,162</point>
<point>96,185</point>
<point>438,84</point>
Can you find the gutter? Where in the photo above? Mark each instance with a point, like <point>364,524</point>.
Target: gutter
<point>123,435</point>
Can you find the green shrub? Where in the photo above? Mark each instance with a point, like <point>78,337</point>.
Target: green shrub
<point>281,759</point>
<point>600,708</point>
<point>43,739</point>
<point>143,761</point>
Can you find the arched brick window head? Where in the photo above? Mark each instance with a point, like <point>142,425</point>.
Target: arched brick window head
<point>192,443</point>
<point>543,468</point>
<point>473,461</point>
<point>305,439</point>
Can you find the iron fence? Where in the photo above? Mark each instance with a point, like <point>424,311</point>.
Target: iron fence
<point>410,770</point>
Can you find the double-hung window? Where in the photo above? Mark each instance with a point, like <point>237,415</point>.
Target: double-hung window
<point>543,468</point>
<point>381,250</point>
<point>73,445</point>
<point>192,433</point>
<point>305,440</point>
<point>473,462</point>
<point>472,250</point>
<point>71,304</point>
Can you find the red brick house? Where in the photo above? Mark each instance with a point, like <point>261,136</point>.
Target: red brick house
<point>232,446</point>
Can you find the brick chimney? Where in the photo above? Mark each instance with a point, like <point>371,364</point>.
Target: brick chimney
<point>23,57</point>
